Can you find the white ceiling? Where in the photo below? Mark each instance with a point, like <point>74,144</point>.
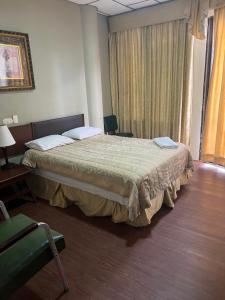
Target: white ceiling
<point>115,7</point>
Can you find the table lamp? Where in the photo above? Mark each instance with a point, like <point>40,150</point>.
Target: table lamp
<point>6,139</point>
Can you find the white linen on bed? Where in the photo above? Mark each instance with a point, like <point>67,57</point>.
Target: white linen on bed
<point>81,133</point>
<point>165,142</point>
<point>49,142</point>
<point>81,185</point>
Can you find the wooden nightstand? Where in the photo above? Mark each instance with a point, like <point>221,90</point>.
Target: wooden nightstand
<point>14,179</point>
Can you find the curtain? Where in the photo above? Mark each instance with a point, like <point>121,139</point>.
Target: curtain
<point>217,3</point>
<point>150,80</point>
<point>214,132</point>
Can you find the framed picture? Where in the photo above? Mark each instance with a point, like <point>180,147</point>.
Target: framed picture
<point>16,71</point>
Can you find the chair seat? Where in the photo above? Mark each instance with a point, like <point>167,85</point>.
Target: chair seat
<point>22,260</point>
<point>125,134</point>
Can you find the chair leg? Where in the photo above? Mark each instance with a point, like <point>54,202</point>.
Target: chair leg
<point>4,210</point>
<point>55,254</point>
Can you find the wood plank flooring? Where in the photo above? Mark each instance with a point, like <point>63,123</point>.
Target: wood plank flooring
<point>180,256</point>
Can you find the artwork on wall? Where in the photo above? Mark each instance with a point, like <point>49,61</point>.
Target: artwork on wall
<point>16,71</point>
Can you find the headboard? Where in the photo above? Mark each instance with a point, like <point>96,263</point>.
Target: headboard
<point>28,132</point>
<point>56,126</point>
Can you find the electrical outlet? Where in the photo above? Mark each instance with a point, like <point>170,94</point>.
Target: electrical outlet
<point>7,121</point>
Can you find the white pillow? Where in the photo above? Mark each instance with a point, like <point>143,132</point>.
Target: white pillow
<point>49,142</point>
<point>81,133</point>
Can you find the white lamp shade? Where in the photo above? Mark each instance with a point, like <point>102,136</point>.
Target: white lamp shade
<point>6,138</point>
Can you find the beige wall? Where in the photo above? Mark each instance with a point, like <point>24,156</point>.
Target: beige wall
<point>92,65</point>
<point>54,28</point>
<point>198,82</point>
<point>104,56</point>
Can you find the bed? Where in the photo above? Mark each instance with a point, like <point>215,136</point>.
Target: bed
<point>126,178</point>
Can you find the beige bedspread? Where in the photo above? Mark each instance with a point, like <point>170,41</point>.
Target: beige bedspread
<point>136,169</point>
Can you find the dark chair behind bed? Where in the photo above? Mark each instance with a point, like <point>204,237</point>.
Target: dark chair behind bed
<point>111,126</point>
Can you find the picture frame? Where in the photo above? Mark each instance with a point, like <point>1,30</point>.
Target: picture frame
<point>16,70</point>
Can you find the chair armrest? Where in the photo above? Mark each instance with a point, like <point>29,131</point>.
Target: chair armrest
<point>26,231</point>
<point>18,236</point>
<point>4,210</point>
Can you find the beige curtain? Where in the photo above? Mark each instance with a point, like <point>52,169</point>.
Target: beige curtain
<point>216,3</point>
<point>150,75</point>
<point>214,132</point>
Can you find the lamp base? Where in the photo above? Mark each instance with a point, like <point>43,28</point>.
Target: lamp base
<point>8,166</point>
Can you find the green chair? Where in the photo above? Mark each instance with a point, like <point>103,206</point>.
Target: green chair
<point>25,247</point>
<point>111,126</point>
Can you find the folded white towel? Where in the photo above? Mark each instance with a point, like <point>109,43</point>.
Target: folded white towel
<point>165,142</point>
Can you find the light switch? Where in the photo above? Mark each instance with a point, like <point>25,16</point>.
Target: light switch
<point>15,119</point>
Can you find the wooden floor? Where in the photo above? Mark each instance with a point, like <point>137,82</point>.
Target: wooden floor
<point>180,256</point>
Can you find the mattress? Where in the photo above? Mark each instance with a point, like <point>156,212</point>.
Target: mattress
<point>129,171</point>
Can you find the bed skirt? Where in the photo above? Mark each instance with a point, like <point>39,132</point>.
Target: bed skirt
<point>63,196</point>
